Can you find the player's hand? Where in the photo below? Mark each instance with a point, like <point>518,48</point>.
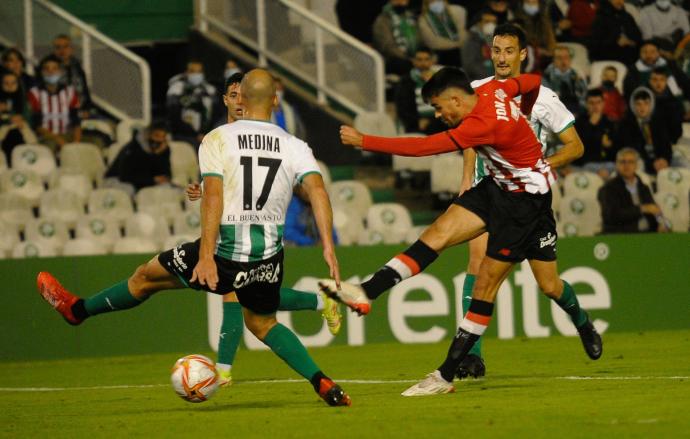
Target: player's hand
<point>206,273</point>
<point>350,136</point>
<point>193,191</point>
<point>333,268</point>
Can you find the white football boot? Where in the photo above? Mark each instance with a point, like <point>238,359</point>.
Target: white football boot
<point>433,384</point>
<point>353,296</point>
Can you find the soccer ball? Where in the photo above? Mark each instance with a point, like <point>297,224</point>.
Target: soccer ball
<point>194,378</point>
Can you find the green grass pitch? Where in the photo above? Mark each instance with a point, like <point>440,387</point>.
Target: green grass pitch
<point>534,388</point>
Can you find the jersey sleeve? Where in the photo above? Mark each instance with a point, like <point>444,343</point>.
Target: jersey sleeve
<point>551,112</point>
<point>305,163</point>
<point>473,131</point>
<point>411,146</point>
<point>211,155</point>
<point>526,85</point>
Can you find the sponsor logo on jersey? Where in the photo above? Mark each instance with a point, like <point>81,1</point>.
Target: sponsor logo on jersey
<point>549,239</point>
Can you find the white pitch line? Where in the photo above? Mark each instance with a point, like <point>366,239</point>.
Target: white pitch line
<point>348,381</point>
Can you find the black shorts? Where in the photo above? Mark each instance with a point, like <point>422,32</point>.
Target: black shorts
<point>257,284</point>
<point>520,225</point>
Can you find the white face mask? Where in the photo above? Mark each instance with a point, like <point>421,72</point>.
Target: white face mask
<point>530,9</point>
<point>488,28</point>
<point>195,78</point>
<point>229,72</point>
<point>437,7</point>
<point>663,4</point>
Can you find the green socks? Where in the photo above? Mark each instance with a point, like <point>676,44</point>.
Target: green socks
<point>230,332</point>
<point>467,287</point>
<point>115,298</point>
<point>287,346</point>
<point>568,303</point>
<point>293,300</point>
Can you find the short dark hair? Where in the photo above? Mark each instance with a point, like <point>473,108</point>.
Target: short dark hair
<point>47,59</point>
<point>595,93</point>
<point>424,49</point>
<point>446,78</point>
<point>13,50</point>
<point>652,42</point>
<point>157,125</point>
<point>235,78</point>
<point>660,71</point>
<point>642,95</point>
<point>513,30</point>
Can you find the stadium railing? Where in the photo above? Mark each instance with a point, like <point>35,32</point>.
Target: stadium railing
<point>119,80</point>
<point>337,66</point>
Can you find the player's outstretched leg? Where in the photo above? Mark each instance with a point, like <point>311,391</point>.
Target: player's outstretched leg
<point>287,346</point>
<point>146,280</point>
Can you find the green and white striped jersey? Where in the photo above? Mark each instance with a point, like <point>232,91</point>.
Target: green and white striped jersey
<point>259,163</point>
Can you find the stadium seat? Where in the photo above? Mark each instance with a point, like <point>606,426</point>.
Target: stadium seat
<point>125,130</point>
<point>580,57</point>
<point>9,236</point>
<point>98,228</point>
<point>325,174</point>
<point>352,196</point>
<point>134,246</point>
<point>85,157</point>
<point>183,163</point>
<point>176,240</point>
<point>371,237</point>
<point>580,216</point>
<point>25,183</point>
<point>34,249</point>
<point>147,226</point>
<point>348,227</point>
<point>99,125</point>
<point>15,210</point>
<point>393,220</point>
<point>675,208</point>
<point>192,206</point>
<point>446,173</point>
<point>414,233</point>
<point>679,149</point>
<point>377,124</point>
<point>187,223</point>
<point>582,184</point>
<point>37,158</point>
<point>3,163</point>
<point>674,180</point>
<point>48,230</point>
<point>62,206</point>
<point>72,181</point>
<point>114,203</point>
<point>83,247</point>
<point>412,164</point>
<point>598,66</point>
<point>162,201</point>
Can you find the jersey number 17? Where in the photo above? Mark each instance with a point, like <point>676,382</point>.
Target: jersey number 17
<point>247,194</point>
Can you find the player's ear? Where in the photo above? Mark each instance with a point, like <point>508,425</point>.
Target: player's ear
<point>225,100</point>
<point>523,54</point>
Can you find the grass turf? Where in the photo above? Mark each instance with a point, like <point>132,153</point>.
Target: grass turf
<point>638,390</point>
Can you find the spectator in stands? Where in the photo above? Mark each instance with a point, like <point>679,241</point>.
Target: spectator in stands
<point>645,130</point>
<point>560,77</point>
<point>442,29</point>
<point>356,17</point>
<point>396,36</point>
<point>190,104</point>
<point>664,21</point>
<point>650,57</point>
<point>598,135</point>
<point>558,14</point>
<point>615,35</point>
<point>499,8</point>
<point>300,228</point>
<point>284,114</point>
<point>14,114</point>
<point>533,16</point>
<point>614,102</point>
<point>143,162</point>
<point>74,74</point>
<point>13,61</point>
<point>626,203</point>
<point>54,106</point>
<point>581,14</point>
<point>670,106</point>
<point>231,67</point>
<point>476,53</point>
<point>416,115</point>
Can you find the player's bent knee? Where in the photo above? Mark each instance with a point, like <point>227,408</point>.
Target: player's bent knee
<point>259,326</point>
<point>550,287</point>
<point>144,282</point>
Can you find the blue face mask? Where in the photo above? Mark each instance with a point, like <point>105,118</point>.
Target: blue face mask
<point>195,78</point>
<point>52,79</point>
<point>530,10</point>
<point>437,7</point>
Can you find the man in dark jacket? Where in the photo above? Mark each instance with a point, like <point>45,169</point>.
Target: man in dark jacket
<point>598,135</point>
<point>615,34</point>
<point>650,58</point>
<point>645,130</point>
<point>145,160</point>
<point>626,203</point>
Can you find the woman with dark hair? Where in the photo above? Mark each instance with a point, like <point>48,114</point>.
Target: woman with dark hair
<point>14,114</point>
<point>13,61</point>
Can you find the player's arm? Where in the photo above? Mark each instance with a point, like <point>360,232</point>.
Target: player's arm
<point>405,146</point>
<point>469,157</point>
<point>206,272</point>
<point>313,186</point>
<point>526,85</point>
<point>572,148</point>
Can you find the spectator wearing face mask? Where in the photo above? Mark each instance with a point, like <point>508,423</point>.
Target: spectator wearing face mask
<point>74,73</point>
<point>284,114</point>
<point>396,36</point>
<point>143,162</point>
<point>442,28</point>
<point>664,21</point>
<point>54,106</point>
<point>476,53</point>
<point>14,114</point>
<point>533,17</point>
<point>191,102</point>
